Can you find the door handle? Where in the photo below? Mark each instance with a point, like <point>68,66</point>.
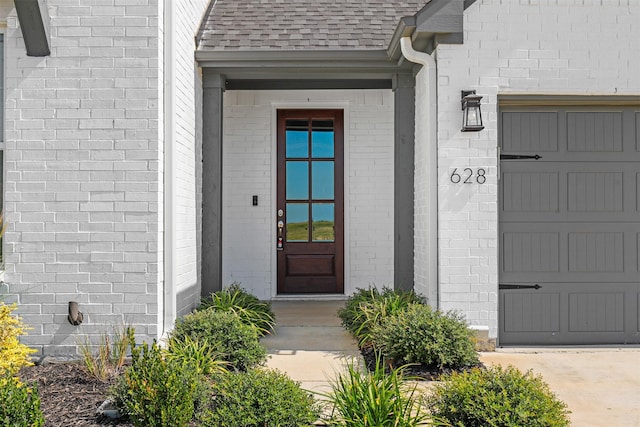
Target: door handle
<point>280,244</point>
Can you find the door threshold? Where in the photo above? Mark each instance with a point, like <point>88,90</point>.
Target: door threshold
<point>310,297</point>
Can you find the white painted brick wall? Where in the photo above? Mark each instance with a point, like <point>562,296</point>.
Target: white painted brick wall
<point>83,171</point>
<point>249,144</point>
<point>188,138</point>
<point>422,186</point>
<point>85,161</point>
<point>576,47</point>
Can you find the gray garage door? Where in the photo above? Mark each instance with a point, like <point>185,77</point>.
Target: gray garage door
<point>569,225</point>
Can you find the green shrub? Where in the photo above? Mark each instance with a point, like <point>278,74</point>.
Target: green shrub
<point>258,398</point>
<point>19,404</point>
<point>234,341</point>
<point>248,307</point>
<point>368,307</point>
<point>156,391</point>
<point>13,354</point>
<point>426,336</point>
<point>497,397</point>
<point>374,399</point>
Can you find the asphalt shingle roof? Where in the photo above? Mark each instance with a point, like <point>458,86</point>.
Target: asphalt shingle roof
<point>303,24</point>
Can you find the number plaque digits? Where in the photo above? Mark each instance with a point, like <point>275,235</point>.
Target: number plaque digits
<point>469,176</point>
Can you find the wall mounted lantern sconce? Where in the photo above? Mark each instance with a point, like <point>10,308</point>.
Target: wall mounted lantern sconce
<point>471,114</point>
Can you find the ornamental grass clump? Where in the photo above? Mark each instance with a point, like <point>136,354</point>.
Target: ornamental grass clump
<point>107,361</point>
<point>226,335</point>
<point>374,399</point>
<point>200,354</point>
<point>246,306</point>
<point>421,335</point>
<point>367,308</point>
<point>500,397</point>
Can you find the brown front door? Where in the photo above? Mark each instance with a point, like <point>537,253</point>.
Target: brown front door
<point>310,201</point>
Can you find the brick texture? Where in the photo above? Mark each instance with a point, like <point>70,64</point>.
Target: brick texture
<point>577,47</point>
<point>85,169</point>
<point>249,144</point>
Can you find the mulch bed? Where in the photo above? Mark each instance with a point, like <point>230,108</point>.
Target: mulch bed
<point>69,396</point>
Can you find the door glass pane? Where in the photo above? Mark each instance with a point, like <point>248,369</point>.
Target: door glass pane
<point>297,180</point>
<point>323,222</point>
<point>297,222</point>
<point>322,138</point>
<point>322,180</point>
<point>297,139</point>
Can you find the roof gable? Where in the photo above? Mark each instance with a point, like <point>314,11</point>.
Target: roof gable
<point>303,24</point>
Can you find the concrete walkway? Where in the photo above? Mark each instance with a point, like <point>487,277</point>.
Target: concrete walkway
<point>601,386</point>
<point>309,343</point>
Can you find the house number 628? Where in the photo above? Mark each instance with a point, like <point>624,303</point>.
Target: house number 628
<point>468,176</point>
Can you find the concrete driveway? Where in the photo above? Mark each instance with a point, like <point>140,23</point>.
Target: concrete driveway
<point>601,386</point>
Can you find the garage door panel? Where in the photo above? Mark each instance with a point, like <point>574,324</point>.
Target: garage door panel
<point>637,136</point>
<point>637,306</point>
<point>569,252</point>
<point>571,313</point>
<point>637,188</point>
<point>539,311</point>
<point>531,311</point>
<point>572,135</point>
<point>594,132</point>
<point>601,252</point>
<point>530,191</point>
<point>530,252</point>
<point>596,312</point>
<point>530,131</point>
<point>553,192</point>
<point>595,191</point>
<point>570,225</point>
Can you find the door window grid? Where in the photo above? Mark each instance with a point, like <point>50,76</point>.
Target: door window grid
<point>310,181</point>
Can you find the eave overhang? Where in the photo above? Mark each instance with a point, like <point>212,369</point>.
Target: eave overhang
<point>34,23</point>
<point>438,22</point>
<point>303,69</point>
